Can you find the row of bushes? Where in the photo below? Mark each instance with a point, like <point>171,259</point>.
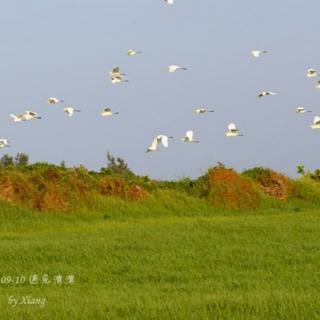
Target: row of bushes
<point>48,187</point>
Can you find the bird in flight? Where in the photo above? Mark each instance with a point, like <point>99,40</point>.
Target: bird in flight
<point>316,123</point>
<point>302,110</point>
<point>31,115</point>
<point>106,112</point>
<point>312,73</point>
<point>54,100</point>
<point>132,52</point>
<point>318,85</point>
<point>169,1</point>
<point>173,68</point>
<point>265,94</point>
<point>233,131</point>
<point>4,143</point>
<point>157,141</point>
<point>116,76</point>
<point>258,53</point>
<point>70,111</point>
<point>202,110</point>
<point>118,79</point>
<point>28,115</point>
<point>189,137</point>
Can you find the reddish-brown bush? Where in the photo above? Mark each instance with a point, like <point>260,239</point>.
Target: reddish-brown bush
<point>272,183</point>
<point>228,189</point>
<point>136,193</point>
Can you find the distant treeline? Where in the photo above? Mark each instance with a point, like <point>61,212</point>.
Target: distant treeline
<point>48,187</point>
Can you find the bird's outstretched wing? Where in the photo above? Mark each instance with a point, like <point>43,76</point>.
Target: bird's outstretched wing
<point>154,144</point>
<point>164,140</point>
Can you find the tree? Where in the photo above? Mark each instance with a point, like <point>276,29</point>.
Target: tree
<point>117,166</point>
<point>301,170</point>
<point>63,164</point>
<point>6,161</point>
<point>21,159</point>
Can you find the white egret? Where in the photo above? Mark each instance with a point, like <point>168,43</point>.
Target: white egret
<point>157,141</point>
<point>316,123</point>
<point>173,68</point>
<point>265,94</point>
<point>302,110</point>
<point>202,110</point>
<point>31,115</point>
<point>106,112</point>
<point>54,100</point>
<point>189,137</point>
<point>312,73</point>
<point>70,111</point>
<point>233,131</point>
<point>116,76</point>
<point>28,115</point>
<point>132,52</point>
<point>4,143</point>
<point>258,53</point>
<point>118,79</point>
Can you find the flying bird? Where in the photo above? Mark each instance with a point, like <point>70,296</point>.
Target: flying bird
<point>202,110</point>
<point>316,123</point>
<point>318,85</point>
<point>258,53</point>
<point>312,73</point>
<point>233,131</point>
<point>116,76</point>
<point>265,94</point>
<point>189,137</point>
<point>31,115</point>
<point>70,111</point>
<point>169,1</point>
<point>118,79</point>
<point>157,141</point>
<point>106,112</point>
<point>302,110</point>
<point>173,68</point>
<point>4,143</point>
<point>54,100</point>
<point>132,52</point>
<point>28,115</point>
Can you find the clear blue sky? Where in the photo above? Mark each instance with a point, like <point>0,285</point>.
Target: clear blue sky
<point>65,48</point>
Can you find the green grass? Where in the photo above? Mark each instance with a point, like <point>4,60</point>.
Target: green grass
<point>132,263</point>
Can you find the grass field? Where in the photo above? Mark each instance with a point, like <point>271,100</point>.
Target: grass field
<point>263,265</point>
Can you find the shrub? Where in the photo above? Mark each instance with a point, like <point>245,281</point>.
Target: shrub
<point>117,166</point>
<point>21,159</point>
<point>226,188</point>
<point>6,161</point>
<point>306,189</point>
<point>272,183</point>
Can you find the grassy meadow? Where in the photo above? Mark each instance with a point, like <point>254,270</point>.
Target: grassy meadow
<point>224,246</point>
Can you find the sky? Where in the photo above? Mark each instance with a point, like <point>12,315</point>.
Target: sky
<point>65,48</point>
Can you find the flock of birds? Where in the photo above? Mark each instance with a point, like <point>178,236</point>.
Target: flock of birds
<point>117,77</point>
